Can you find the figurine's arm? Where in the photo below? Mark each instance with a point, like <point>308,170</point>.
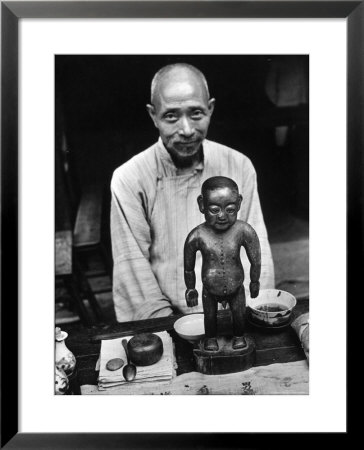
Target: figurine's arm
<point>252,248</point>
<point>190,250</point>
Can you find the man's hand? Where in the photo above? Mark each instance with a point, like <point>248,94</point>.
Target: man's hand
<point>254,289</point>
<point>191,296</point>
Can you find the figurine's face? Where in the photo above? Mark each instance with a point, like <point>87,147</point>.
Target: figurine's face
<point>182,114</point>
<point>220,207</point>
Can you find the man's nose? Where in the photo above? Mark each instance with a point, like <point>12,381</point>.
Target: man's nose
<point>186,129</point>
<point>221,214</point>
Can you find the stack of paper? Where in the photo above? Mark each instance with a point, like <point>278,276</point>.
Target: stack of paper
<point>112,348</point>
<point>301,325</point>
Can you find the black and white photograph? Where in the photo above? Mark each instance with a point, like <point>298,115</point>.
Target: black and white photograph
<point>182,224</point>
<point>181,212</point>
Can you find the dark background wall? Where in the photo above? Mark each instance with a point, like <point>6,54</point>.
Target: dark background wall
<point>261,110</point>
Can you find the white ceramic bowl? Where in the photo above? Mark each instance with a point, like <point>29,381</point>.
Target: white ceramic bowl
<point>190,327</point>
<point>272,307</point>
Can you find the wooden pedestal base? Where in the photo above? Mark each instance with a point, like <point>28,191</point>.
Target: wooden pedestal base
<point>226,359</point>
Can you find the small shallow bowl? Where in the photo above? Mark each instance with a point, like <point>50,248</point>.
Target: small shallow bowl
<point>190,327</point>
<point>272,307</point>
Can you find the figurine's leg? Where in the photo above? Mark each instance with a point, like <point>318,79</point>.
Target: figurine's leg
<point>237,306</point>
<point>210,312</point>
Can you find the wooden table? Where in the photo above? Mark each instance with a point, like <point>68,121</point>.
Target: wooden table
<point>271,347</point>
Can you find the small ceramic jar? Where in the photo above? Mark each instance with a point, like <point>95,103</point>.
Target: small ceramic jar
<point>61,382</point>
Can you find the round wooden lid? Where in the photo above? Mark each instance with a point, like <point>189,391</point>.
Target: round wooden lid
<point>145,349</point>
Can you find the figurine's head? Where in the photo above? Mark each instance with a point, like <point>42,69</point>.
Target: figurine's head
<point>220,202</point>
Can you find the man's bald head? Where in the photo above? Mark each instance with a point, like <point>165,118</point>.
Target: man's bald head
<point>181,110</point>
<point>177,73</point>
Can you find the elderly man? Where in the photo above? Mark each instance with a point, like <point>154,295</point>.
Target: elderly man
<point>154,199</point>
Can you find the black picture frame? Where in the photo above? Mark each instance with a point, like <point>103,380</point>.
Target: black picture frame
<point>11,12</point>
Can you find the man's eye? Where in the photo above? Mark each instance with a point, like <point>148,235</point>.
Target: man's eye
<point>214,210</point>
<point>196,115</point>
<point>231,210</point>
<point>170,117</point>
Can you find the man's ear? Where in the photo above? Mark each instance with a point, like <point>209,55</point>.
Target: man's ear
<point>200,204</point>
<point>151,112</point>
<point>211,105</point>
<point>239,201</point>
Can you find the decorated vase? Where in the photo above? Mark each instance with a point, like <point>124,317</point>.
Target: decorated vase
<point>64,358</point>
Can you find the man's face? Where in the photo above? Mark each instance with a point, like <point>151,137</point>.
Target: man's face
<point>182,114</point>
<point>220,207</point>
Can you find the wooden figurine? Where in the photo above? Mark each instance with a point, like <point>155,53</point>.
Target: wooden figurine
<point>219,240</point>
